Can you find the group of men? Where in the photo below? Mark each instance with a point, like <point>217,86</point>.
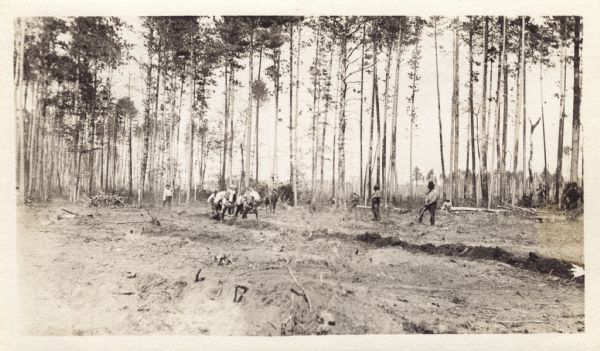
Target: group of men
<point>431,199</point>
<point>228,200</point>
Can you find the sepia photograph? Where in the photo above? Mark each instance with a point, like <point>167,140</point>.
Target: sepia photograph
<point>299,175</point>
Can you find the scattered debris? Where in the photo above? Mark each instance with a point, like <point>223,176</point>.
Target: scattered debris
<point>510,324</point>
<point>154,220</point>
<point>325,321</point>
<point>223,259</point>
<point>198,277</point>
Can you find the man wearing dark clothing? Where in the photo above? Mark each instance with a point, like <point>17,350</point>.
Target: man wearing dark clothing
<point>430,203</point>
<point>375,201</point>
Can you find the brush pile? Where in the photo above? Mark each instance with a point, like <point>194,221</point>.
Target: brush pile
<point>107,200</point>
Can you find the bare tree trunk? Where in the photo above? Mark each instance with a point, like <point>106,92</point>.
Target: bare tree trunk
<point>315,119</point>
<point>437,81</point>
<point>291,126</point>
<point>484,123</point>
<point>335,127</point>
<point>472,112</point>
<point>388,63</point>
<point>327,101</point>
<point>20,91</point>
<point>231,121</point>
<point>455,114</point>
<point>362,79</point>
<point>246,172</point>
<point>524,105</point>
<point>563,83</point>
<point>342,124</point>
<point>543,127</point>
<point>191,140</point>
<point>517,120</point>
<point>274,164</point>
<point>256,153</point>
<point>146,127</point>
<point>92,138</point>
<point>576,102</point>
<point>372,125</point>
<point>225,134</point>
<point>296,116</point>
<point>502,189</point>
<point>393,169</point>
<point>496,144</point>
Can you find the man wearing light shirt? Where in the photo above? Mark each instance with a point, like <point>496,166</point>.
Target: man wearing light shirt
<point>167,196</point>
<point>431,200</point>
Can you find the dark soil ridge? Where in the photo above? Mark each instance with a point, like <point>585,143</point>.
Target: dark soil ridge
<point>533,262</point>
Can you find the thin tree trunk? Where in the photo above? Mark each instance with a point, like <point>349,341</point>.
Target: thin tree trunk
<point>256,153</point>
<point>246,172</point>
<point>455,114</point>
<point>225,134</point>
<point>385,118</point>
<point>191,140</point>
<point>543,128</point>
<point>496,144</point>
<point>472,112</point>
<point>335,129</point>
<point>231,121</point>
<point>576,102</point>
<point>505,116</point>
<point>291,126</point>
<point>277,70</point>
<point>484,123</point>
<point>393,183</point>
<point>296,117</point>
<point>524,105</point>
<point>342,124</point>
<point>146,126</point>
<point>92,138</point>
<point>563,83</point>
<point>437,82</point>
<point>315,119</point>
<point>362,74</point>
<point>372,125</point>
<point>517,120</point>
<point>327,101</point>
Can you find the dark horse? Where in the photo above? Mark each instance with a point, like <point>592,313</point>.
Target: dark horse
<point>271,197</point>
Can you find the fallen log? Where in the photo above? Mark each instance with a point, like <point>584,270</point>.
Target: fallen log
<point>67,211</point>
<point>475,209</point>
<point>526,210</point>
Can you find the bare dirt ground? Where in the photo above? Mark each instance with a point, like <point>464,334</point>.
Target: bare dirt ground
<point>115,273</point>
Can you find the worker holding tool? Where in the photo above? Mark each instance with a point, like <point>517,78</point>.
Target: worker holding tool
<point>430,203</point>
<point>375,202</point>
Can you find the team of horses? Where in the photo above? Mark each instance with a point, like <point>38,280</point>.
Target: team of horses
<point>234,203</point>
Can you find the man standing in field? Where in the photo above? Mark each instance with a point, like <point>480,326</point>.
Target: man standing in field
<point>167,195</point>
<point>430,203</point>
<point>375,201</point>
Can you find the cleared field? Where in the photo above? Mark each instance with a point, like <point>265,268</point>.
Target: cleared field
<point>116,273</point>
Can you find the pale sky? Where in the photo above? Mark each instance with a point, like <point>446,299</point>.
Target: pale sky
<point>426,153</point>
